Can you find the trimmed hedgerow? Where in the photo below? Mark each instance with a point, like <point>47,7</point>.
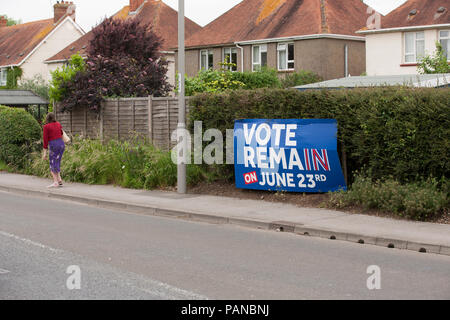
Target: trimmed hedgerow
<point>20,134</point>
<point>386,131</point>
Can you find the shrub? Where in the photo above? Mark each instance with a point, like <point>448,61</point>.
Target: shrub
<point>20,134</point>
<point>389,131</point>
<point>419,200</point>
<point>436,63</point>
<point>224,79</point>
<point>263,78</point>
<point>132,164</point>
<point>299,78</point>
<point>211,81</point>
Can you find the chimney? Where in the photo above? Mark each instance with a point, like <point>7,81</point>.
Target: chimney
<point>135,4</point>
<point>63,9</point>
<point>3,22</point>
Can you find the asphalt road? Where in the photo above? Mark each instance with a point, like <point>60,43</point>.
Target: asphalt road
<point>128,256</point>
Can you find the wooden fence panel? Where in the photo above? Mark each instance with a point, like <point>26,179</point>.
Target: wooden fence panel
<point>152,118</point>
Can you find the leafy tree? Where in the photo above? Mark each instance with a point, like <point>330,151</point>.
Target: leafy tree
<point>61,76</point>
<point>124,60</point>
<point>436,63</point>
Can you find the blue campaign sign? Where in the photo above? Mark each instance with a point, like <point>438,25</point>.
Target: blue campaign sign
<point>294,155</point>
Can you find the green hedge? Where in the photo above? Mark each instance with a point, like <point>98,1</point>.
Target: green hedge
<point>387,131</point>
<point>20,134</point>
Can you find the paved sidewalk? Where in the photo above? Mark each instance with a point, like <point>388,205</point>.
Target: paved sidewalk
<point>429,237</point>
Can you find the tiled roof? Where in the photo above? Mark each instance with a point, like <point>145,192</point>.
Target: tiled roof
<point>426,13</point>
<point>265,19</point>
<point>16,42</point>
<point>20,98</point>
<point>164,21</point>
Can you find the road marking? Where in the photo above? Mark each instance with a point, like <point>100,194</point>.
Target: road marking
<point>3,271</point>
<point>28,241</point>
<point>160,289</point>
<point>168,292</point>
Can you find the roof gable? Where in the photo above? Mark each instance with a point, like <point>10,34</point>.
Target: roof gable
<point>265,19</point>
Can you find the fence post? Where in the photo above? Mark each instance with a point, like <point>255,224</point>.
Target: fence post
<point>101,122</point>
<point>118,119</point>
<point>85,122</point>
<point>168,124</point>
<point>71,126</point>
<point>134,115</point>
<point>150,119</point>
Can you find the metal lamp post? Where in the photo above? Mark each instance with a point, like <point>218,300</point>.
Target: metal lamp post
<point>181,168</point>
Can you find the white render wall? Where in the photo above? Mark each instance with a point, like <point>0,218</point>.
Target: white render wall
<point>61,38</point>
<point>385,53</point>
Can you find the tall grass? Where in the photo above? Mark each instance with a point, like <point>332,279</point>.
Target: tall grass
<point>132,164</point>
<point>5,167</point>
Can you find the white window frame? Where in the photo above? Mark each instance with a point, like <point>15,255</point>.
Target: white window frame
<point>257,64</point>
<point>416,40</point>
<point>3,76</point>
<point>286,48</point>
<point>230,50</point>
<point>445,38</point>
<point>208,52</point>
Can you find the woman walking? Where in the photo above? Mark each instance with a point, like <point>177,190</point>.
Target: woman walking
<point>53,141</point>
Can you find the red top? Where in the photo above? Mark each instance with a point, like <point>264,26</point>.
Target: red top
<point>52,131</point>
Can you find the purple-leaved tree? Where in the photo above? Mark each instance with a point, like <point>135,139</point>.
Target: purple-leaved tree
<point>124,60</point>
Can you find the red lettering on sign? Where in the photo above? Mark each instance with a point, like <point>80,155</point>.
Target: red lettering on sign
<point>250,177</point>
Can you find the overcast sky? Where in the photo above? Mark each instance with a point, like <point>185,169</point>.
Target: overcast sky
<point>91,12</point>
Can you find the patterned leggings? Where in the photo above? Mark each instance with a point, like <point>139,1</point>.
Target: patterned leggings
<point>56,148</point>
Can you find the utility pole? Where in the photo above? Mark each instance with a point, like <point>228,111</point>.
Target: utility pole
<point>181,168</point>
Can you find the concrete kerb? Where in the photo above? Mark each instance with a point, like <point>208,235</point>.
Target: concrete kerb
<point>281,226</point>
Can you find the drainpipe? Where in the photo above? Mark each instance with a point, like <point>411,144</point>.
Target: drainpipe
<point>242,56</point>
<point>346,61</point>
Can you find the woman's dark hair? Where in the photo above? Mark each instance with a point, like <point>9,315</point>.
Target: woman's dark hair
<point>50,118</point>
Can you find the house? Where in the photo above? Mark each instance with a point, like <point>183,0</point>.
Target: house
<point>286,35</point>
<point>163,20</point>
<point>28,45</point>
<point>407,34</point>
